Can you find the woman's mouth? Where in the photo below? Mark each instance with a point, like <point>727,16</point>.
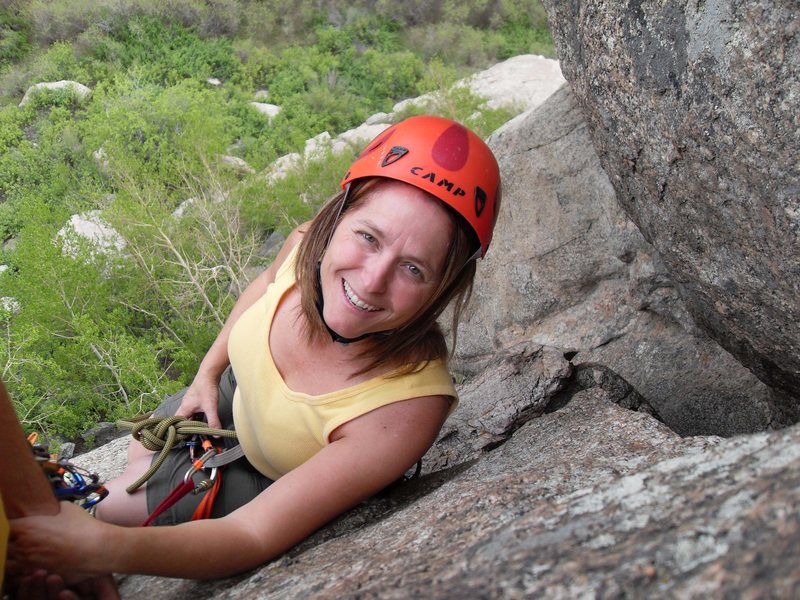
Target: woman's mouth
<point>355,300</point>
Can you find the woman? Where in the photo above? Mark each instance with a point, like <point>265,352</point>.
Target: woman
<point>340,378</point>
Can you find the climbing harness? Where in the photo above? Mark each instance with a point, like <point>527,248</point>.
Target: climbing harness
<point>163,434</point>
<point>69,482</point>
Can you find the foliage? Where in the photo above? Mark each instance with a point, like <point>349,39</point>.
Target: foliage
<point>14,36</point>
<point>99,326</point>
<point>72,328</point>
<point>284,203</point>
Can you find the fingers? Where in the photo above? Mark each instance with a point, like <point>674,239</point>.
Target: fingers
<point>204,410</point>
<point>104,588</point>
<point>213,420</point>
<point>31,587</point>
<point>184,412</point>
<point>41,585</point>
<point>57,590</point>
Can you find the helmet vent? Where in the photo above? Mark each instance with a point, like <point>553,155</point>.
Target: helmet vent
<point>480,201</point>
<point>395,154</point>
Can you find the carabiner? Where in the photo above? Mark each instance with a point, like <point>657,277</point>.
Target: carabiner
<point>192,444</point>
<point>206,484</point>
<point>198,464</point>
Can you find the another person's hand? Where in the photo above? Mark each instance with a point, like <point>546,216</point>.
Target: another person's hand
<point>69,544</point>
<point>202,397</point>
<point>42,585</point>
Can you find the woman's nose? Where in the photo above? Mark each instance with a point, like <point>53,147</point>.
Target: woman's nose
<point>376,276</point>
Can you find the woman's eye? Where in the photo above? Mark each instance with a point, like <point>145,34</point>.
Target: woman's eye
<point>368,237</point>
<point>415,271</point>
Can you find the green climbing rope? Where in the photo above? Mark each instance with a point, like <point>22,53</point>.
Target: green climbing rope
<point>162,434</point>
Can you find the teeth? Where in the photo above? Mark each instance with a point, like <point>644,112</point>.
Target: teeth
<point>356,301</point>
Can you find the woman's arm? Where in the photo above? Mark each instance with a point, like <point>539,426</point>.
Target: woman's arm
<point>366,455</point>
<point>201,397</point>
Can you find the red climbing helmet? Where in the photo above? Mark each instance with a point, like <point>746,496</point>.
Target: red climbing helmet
<point>443,158</point>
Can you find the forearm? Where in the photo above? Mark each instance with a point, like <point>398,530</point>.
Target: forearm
<point>196,550</point>
<point>24,488</point>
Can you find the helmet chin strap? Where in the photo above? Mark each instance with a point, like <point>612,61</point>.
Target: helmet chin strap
<point>320,304</point>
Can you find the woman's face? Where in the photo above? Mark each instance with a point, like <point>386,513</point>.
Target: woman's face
<point>384,260</point>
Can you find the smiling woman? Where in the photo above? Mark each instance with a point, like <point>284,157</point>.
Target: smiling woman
<point>331,368</point>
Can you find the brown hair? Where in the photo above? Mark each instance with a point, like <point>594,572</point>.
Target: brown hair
<point>421,338</point>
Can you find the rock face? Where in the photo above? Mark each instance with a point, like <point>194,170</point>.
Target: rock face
<point>526,80</point>
<point>266,109</point>
<point>568,269</point>
<point>92,228</point>
<point>693,108</point>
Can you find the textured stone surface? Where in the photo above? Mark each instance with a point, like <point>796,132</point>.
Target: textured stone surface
<point>570,495</point>
<point>568,269</point>
<point>93,229</point>
<point>521,82</point>
<point>518,387</point>
<point>266,109</point>
<point>694,109</point>
<point>698,387</point>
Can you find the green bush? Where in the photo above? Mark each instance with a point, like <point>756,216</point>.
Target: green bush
<point>284,204</point>
<point>455,44</point>
<point>521,35</point>
<point>156,133</point>
<point>379,75</point>
<point>14,37</point>
<point>65,326</point>
<point>167,53</point>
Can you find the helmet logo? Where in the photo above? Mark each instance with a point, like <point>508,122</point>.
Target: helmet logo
<point>480,201</point>
<point>395,154</point>
<point>431,176</point>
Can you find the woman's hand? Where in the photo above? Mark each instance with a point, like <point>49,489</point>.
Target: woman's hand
<point>202,397</point>
<point>69,544</point>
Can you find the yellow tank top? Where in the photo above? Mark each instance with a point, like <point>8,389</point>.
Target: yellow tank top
<point>278,428</point>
